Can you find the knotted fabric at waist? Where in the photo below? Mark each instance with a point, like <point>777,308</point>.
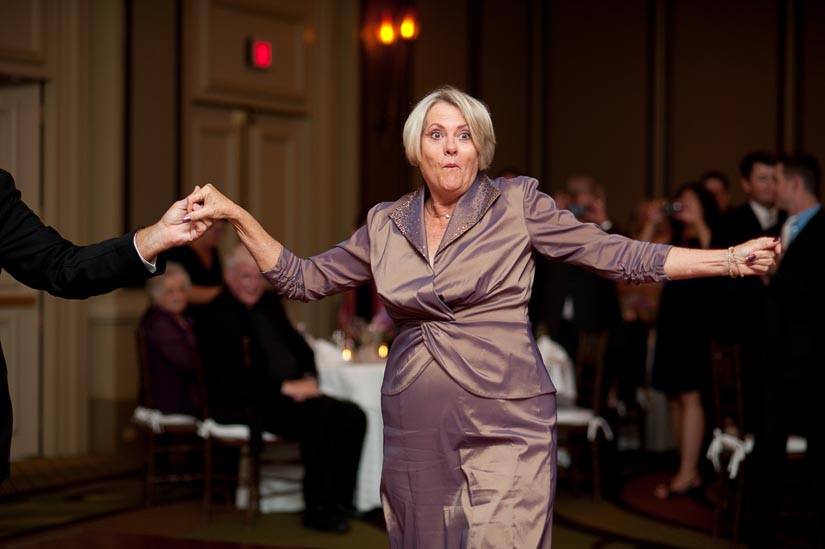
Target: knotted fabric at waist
<point>494,359</point>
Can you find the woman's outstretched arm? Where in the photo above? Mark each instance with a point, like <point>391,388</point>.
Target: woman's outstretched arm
<point>754,257</point>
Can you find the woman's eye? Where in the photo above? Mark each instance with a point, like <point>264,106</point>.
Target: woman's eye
<point>435,135</point>
<point>464,135</point>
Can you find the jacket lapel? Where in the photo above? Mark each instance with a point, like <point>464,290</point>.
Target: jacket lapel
<point>470,208</point>
<point>408,215</point>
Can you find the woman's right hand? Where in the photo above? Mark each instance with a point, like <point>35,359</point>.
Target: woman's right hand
<point>209,203</point>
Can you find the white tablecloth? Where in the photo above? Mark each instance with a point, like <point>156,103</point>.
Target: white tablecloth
<point>361,384</point>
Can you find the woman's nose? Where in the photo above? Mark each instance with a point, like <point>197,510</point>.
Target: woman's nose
<point>450,146</point>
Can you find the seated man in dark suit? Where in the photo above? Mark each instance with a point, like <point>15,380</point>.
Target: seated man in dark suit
<point>281,388</point>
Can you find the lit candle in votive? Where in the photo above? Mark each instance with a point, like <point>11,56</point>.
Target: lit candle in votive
<point>383,350</point>
<point>346,354</point>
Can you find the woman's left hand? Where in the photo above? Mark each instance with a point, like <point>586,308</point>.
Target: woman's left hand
<point>208,203</point>
<point>757,256</point>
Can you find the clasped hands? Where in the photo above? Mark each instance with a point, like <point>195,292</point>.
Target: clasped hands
<point>757,256</point>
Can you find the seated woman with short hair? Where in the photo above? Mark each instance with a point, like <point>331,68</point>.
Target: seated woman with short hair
<point>172,353</point>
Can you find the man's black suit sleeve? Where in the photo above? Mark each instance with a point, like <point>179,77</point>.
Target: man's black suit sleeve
<point>40,258</point>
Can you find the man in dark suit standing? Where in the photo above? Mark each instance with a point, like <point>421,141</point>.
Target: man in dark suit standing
<point>39,257</point>
<point>757,216</point>
<point>792,361</point>
<point>278,392</point>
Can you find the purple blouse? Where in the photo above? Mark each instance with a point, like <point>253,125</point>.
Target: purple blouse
<point>467,312</point>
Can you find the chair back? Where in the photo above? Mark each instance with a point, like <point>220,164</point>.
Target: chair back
<point>256,404</point>
<point>727,388</point>
<point>590,369</point>
<point>144,371</point>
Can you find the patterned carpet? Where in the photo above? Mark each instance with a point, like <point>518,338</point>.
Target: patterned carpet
<point>692,512</point>
<point>106,509</point>
<point>115,507</point>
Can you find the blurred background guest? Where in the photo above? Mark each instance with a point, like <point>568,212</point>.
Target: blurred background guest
<point>202,261</point>
<point>570,299</point>
<point>717,184</point>
<point>757,216</point>
<point>681,367</point>
<point>792,356</point>
<point>172,352</point>
<point>279,391</point>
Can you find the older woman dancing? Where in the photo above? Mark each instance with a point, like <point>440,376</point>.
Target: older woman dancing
<point>469,410</point>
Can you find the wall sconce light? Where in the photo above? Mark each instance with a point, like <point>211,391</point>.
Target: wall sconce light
<point>408,29</point>
<point>387,32</point>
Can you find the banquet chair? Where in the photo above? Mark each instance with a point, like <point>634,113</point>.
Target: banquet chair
<point>169,437</point>
<point>578,426</point>
<point>252,444</point>
<point>730,428</point>
<point>731,444</point>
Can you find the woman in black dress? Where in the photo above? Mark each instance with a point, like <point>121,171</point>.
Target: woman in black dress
<point>681,367</point>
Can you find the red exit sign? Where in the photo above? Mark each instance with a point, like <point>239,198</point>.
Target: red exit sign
<point>258,54</point>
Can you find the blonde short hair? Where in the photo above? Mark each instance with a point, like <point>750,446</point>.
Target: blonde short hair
<point>474,112</point>
<point>155,285</point>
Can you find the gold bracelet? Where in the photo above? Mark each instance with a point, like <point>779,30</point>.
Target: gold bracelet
<point>731,262</point>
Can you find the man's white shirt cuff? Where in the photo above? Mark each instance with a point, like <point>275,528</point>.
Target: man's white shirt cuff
<point>152,267</point>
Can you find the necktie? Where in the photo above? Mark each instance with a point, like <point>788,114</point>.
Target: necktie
<point>787,233</point>
<point>794,230</point>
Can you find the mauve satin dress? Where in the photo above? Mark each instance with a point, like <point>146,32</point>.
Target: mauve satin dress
<point>469,409</point>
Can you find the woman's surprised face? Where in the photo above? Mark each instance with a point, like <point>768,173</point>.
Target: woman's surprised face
<point>449,159</point>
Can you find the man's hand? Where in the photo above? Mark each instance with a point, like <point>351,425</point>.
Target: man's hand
<point>300,390</point>
<point>170,230</point>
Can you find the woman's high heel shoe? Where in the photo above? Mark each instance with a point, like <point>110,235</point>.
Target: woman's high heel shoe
<point>665,491</point>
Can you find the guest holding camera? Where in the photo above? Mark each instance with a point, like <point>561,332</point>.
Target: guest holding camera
<point>681,366</point>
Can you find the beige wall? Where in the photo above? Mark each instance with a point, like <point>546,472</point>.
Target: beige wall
<point>597,98</point>
<point>809,128</point>
<point>76,49</point>
<point>722,86</point>
<point>642,95</point>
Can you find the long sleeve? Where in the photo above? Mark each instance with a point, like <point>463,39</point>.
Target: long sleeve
<point>558,235</point>
<point>343,267</point>
<point>39,257</point>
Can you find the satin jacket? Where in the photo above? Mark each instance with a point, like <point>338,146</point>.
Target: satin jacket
<point>467,311</point>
